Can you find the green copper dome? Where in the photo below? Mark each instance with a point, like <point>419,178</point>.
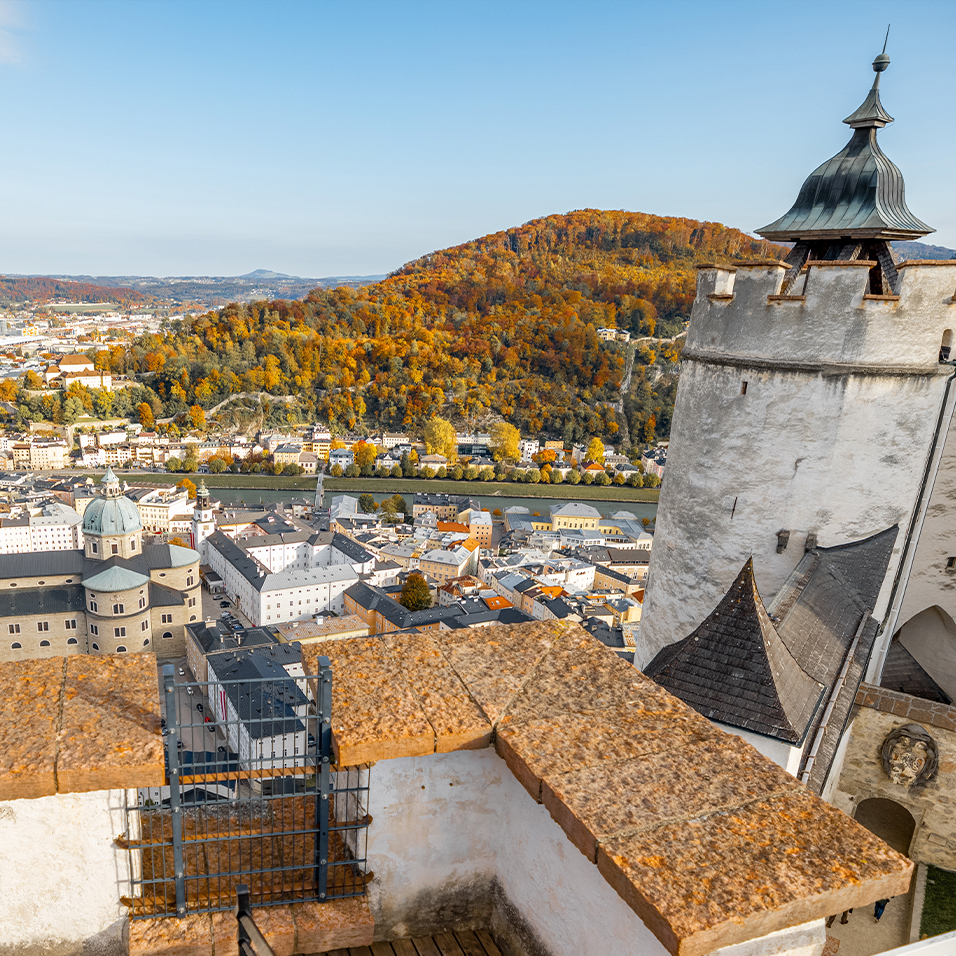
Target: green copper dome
<point>112,513</point>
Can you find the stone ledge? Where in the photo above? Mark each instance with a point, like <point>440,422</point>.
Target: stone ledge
<point>77,724</point>
<point>617,762</point>
<point>904,705</point>
<point>289,929</point>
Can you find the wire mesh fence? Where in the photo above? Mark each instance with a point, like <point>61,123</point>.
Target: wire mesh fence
<point>252,797</point>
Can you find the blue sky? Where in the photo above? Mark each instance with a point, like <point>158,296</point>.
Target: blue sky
<point>331,138</point>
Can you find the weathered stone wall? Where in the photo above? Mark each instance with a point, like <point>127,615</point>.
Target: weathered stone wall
<point>862,777</point>
<point>29,637</point>
<point>842,398</point>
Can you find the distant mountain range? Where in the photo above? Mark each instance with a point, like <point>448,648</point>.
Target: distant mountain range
<point>211,291</point>
<point>922,250</point>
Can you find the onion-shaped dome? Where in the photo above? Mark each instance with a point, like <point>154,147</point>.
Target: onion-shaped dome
<point>112,513</point>
<point>858,194</point>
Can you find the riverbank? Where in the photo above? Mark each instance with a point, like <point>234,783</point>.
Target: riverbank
<point>391,486</point>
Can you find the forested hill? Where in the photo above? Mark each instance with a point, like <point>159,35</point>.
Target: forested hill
<point>34,289</point>
<point>504,325</point>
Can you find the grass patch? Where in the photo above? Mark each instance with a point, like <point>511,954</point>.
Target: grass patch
<point>939,903</point>
<point>297,483</point>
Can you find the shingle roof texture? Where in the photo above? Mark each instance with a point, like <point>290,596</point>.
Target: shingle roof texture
<point>735,668</point>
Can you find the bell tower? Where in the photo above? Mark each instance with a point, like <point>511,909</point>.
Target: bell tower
<point>812,395</point>
<point>203,524</point>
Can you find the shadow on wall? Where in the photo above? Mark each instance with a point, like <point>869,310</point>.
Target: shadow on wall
<point>930,637</point>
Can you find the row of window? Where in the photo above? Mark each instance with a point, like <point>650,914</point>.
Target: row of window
<point>118,631</point>
<point>17,646</point>
<point>43,626</point>
<point>114,548</point>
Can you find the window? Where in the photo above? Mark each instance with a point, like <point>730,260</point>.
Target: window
<point>14,628</point>
<point>144,626</point>
<point>96,646</point>
<point>93,605</point>
<point>15,646</point>
<point>132,544</point>
<point>192,617</point>
<point>94,547</point>
<point>743,388</point>
<point>43,625</point>
<point>119,632</point>
<point>146,642</point>
<point>114,549</point>
<point>166,619</point>
<point>41,582</point>
<point>71,624</point>
<point>44,643</point>
<point>120,649</point>
<point>189,581</point>
<point>71,640</point>
<point>119,608</point>
<point>167,634</point>
<point>94,629</point>
<point>192,602</point>
<point>950,564</point>
<point>142,602</point>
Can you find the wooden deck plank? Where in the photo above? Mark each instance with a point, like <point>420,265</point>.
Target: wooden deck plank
<point>383,949</point>
<point>447,944</point>
<point>426,946</point>
<point>359,951</point>
<point>404,947</point>
<point>470,944</point>
<point>491,947</point>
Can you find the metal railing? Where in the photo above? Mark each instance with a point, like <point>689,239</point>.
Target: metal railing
<point>252,795</point>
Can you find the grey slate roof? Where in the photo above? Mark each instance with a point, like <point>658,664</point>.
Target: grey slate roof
<point>902,672</point>
<point>55,600</point>
<point>735,669</point>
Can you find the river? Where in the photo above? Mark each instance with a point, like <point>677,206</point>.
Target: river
<point>248,496</point>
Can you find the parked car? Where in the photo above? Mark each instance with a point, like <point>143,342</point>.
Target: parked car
<point>182,672</point>
<point>196,795</point>
<point>189,691</point>
<point>200,708</point>
<point>224,604</point>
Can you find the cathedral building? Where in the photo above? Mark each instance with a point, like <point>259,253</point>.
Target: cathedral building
<point>115,596</point>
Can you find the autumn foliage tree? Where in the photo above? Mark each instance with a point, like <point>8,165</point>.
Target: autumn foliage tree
<point>440,438</point>
<point>416,595</point>
<point>505,440</point>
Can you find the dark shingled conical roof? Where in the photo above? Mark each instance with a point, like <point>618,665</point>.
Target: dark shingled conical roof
<point>735,669</point>
<point>859,193</point>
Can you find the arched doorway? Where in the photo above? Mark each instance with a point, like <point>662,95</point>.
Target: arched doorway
<point>930,637</point>
<point>890,821</point>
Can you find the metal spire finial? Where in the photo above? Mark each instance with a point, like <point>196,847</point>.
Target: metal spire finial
<point>882,61</point>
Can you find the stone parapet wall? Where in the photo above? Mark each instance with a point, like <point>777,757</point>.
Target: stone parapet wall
<point>79,724</point>
<point>681,820</point>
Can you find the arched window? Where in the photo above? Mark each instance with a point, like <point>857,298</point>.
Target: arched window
<point>146,642</point>
<point>96,646</point>
<point>71,640</point>
<point>16,645</point>
<point>121,649</point>
<point>132,544</point>
<point>946,346</point>
<point>167,633</point>
<point>44,643</point>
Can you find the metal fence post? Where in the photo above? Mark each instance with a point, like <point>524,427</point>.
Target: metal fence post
<point>323,775</point>
<point>172,750</point>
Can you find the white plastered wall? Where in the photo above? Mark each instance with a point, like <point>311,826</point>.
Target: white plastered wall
<point>447,826</point>
<point>61,875</point>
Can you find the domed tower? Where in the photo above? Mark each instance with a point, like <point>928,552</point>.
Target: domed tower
<point>202,523</point>
<point>812,395</point>
<point>111,523</point>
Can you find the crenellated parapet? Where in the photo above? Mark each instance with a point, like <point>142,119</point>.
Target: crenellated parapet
<point>828,321</point>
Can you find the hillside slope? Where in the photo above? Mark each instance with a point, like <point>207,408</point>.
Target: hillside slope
<point>505,325</point>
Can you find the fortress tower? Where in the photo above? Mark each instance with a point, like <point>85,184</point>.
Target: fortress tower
<point>814,400</point>
<point>203,524</point>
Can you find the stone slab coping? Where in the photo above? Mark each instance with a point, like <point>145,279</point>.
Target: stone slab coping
<point>290,928</point>
<point>80,723</point>
<point>709,842</point>
<point>925,262</point>
<point>921,711</point>
<point>840,263</point>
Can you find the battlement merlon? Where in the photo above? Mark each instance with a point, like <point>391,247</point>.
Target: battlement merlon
<point>828,319</point>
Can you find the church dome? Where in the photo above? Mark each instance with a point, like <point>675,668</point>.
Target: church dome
<point>113,513</point>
